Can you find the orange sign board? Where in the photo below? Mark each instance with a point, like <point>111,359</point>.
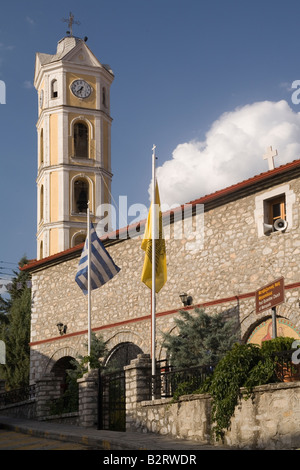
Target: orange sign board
<point>270,295</point>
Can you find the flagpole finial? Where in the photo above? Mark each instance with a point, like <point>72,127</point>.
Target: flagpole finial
<point>153,150</point>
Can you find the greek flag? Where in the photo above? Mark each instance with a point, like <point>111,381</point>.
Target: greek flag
<point>102,267</point>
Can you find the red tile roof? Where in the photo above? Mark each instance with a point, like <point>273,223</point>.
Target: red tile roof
<point>249,182</point>
<point>220,194</point>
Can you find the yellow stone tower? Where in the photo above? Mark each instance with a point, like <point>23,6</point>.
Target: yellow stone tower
<point>74,135</point>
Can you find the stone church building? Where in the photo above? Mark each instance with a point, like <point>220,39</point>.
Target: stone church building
<point>220,248</point>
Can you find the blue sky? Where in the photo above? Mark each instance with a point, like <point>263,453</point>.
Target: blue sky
<point>179,65</point>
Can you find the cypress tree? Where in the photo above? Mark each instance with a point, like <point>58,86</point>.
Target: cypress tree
<point>15,330</point>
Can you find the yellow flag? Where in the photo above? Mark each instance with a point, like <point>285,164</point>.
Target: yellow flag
<point>160,251</point>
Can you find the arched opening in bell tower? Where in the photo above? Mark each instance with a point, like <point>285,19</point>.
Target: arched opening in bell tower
<point>42,203</point>
<point>81,195</point>
<point>81,140</point>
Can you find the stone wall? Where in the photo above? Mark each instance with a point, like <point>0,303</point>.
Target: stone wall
<point>25,409</point>
<point>268,420</point>
<point>48,388</point>
<point>221,274</point>
<point>88,399</point>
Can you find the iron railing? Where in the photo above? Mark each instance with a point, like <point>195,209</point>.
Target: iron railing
<point>286,370</point>
<point>18,395</point>
<point>168,380</point>
<point>112,401</point>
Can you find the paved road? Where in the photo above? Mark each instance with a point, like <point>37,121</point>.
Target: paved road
<point>11,440</point>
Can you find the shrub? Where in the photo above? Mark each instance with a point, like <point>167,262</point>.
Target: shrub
<point>245,365</point>
<point>202,339</point>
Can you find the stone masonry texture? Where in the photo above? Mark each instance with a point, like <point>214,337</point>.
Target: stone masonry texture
<point>225,258</point>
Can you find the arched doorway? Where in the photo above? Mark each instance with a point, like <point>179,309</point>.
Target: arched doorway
<point>60,370</point>
<point>67,395</point>
<point>112,399</point>
<point>262,331</point>
<point>122,355</point>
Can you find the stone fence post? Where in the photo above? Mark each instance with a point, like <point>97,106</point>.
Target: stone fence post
<point>138,388</point>
<point>47,388</point>
<point>88,399</point>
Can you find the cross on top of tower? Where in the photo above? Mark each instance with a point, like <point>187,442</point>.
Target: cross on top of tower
<point>270,157</point>
<point>70,22</point>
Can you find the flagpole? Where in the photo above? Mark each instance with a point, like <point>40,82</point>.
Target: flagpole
<point>153,335</point>
<point>89,281</point>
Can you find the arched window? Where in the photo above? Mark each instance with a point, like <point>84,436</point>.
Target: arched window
<point>104,97</point>
<point>78,239</point>
<point>81,140</point>
<point>41,250</point>
<point>54,89</point>
<point>81,195</point>
<point>41,203</point>
<point>42,146</point>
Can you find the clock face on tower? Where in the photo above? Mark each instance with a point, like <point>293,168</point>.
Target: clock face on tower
<point>81,89</point>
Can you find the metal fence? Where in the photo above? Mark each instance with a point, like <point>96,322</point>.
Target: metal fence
<point>286,370</point>
<point>112,401</point>
<point>168,380</point>
<point>18,395</point>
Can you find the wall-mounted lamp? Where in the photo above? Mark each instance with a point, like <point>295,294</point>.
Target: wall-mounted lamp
<point>186,299</point>
<point>61,328</point>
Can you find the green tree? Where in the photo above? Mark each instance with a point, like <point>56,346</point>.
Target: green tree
<point>202,339</point>
<point>15,330</point>
<point>80,365</point>
<point>4,307</point>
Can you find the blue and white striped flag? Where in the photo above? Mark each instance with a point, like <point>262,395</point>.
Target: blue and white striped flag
<point>102,266</point>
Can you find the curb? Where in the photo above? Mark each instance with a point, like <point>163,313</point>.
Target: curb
<point>89,441</point>
<point>102,440</point>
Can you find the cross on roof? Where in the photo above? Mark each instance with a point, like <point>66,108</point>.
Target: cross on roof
<point>270,157</point>
<point>70,22</point>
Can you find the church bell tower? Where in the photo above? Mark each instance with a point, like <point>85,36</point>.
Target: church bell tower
<point>74,136</point>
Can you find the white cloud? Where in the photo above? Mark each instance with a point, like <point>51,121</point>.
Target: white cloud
<point>28,84</point>
<point>30,20</point>
<point>232,151</point>
<point>4,47</point>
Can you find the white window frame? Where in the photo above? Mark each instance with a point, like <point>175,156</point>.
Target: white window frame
<point>260,205</point>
